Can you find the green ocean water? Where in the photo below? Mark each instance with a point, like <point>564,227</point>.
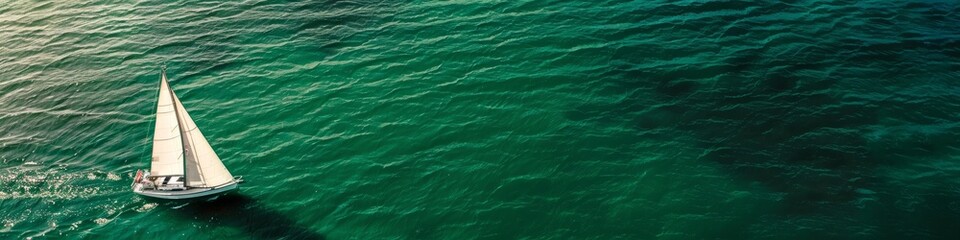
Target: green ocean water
<point>490,119</point>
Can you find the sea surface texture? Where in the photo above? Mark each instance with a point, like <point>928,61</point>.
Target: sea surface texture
<point>603,119</point>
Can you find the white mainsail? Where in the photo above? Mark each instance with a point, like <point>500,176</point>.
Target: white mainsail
<point>183,159</point>
<point>202,165</point>
<point>167,146</point>
<point>179,148</point>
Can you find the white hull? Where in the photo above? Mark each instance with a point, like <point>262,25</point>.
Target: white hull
<point>185,194</point>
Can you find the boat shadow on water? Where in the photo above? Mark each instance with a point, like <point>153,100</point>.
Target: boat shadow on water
<point>246,214</point>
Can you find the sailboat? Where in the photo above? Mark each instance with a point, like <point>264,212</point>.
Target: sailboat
<point>183,165</point>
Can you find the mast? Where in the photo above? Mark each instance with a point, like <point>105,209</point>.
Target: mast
<point>183,134</point>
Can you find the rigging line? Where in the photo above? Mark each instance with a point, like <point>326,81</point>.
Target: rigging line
<point>156,107</point>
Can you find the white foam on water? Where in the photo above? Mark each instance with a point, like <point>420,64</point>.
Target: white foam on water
<point>53,226</point>
<point>73,226</point>
<point>146,207</point>
<point>7,225</point>
<point>101,221</point>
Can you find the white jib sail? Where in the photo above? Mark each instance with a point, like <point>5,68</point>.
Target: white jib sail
<point>203,166</point>
<point>167,146</point>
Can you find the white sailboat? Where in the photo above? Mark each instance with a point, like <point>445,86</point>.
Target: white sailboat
<point>184,165</point>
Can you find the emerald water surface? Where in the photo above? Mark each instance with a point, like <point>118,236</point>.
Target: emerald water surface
<point>490,119</point>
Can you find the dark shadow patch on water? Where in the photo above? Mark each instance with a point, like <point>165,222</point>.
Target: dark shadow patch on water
<point>811,121</point>
<point>792,138</point>
<point>797,137</point>
<point>246,214</point>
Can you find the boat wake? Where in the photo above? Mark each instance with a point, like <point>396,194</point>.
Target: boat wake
<point>54,182</point>
<point>180,206</point>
